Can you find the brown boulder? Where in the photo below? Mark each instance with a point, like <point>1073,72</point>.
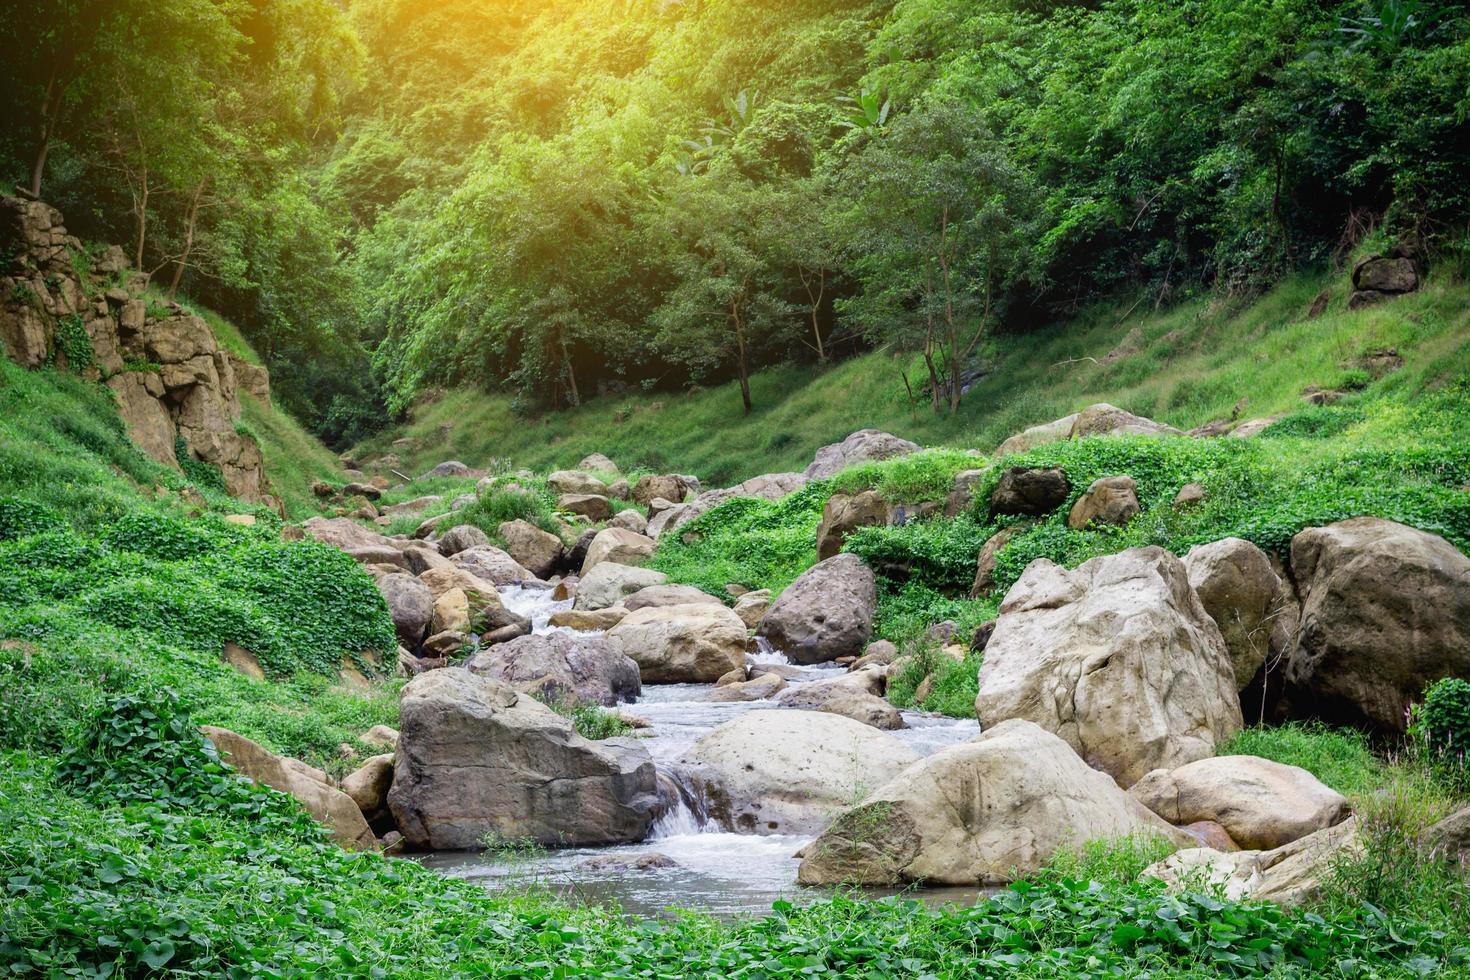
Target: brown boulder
<point>1385,611</point>
<point>1109,500</point>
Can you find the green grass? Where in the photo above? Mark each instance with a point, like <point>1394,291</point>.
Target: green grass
<point>1196,362</point>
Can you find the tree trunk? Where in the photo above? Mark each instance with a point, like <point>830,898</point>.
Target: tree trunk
<point>142,215</point>
<point>740,349</point>
<point>50,106</point>
<point>814,299</point>
<point>566,364</point>
<point>183,260</point>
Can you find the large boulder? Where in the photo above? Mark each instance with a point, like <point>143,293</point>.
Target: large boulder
<point>863,446</point>
<point>460,538</point>
<point>1059,430</point>
<point>787,772</point>
<point>694,643</point>
<point>1108,500</point>
<point>493,565</point>
<point>618,545</point>
<point>593,506</point>
<point>1239,589</point>
<point>597,463</point>
<point>411,605</point>
<point>326,804</point>
<point>562,667</point>
<point>1103,419</point>
<point>1385,611</point>
<point>538,551</point>
<point>825,614</point>
<point>344,533</point>
<point>1260,803</point>
<point>844,513</point>
<point>752,607</point>
<point>1118,657</point>
<point>609,583</point>
<point>575,482</point>
<point>650,487</point>
<point>1029,491</point>
<point>476,757</point>
<point>629,520</point>
<point>982,813</point>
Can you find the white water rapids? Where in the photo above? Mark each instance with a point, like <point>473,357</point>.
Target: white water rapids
<point>713,869</point>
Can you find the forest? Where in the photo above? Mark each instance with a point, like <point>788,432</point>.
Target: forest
<point>561,199</point>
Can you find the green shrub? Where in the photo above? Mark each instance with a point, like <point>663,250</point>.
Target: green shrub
<point>1111,861</point>
<point>159,536</point>
<point>144,748</point>
<point>592,720</point>
<point>1443,721</point>
<point>953,683</point>
<point>760,544</point>
<point>499,504</point>
<point>72,339</point>
<point>21,518</point>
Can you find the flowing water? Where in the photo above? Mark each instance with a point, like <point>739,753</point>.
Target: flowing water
<point>687,861</point>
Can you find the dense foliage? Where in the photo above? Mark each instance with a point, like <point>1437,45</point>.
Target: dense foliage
<point>563,198</point>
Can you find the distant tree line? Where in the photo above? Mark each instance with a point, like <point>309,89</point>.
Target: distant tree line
<point>553,196</point>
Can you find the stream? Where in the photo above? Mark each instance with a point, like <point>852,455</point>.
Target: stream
<point>706,867</point>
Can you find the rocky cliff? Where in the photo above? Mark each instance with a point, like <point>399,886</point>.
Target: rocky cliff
<point>63,304</point>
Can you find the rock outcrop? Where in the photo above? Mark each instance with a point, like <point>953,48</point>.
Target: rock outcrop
<point>1118,657</point>
<point>825,614</point>
<point>790,772</point>
<point>1260,803</point>
<point>1385,611</point>
<point>984,812</point>
<point>175,386</point>
<point>476,758</point>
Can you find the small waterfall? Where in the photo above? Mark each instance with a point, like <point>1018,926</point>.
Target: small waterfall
<point>536,604</point>
<point>685,810</point>
<point>766,654</point>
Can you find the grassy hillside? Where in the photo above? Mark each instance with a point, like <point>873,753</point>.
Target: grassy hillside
<point>1187,365</point>
<point>121,589</point>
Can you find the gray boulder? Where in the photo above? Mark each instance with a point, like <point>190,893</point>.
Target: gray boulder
<point>1385,611</point>
<point>562,667</point>
<point>476,758</point>
<point>982,813</point>
<point>863,446</point>
<point>1239,589</point>
<point>1030,491</point>
<point>462,537</point>
<point>411,605</point>
<point>825,614</point>
<point>788,772</point>
<point>609,583</point>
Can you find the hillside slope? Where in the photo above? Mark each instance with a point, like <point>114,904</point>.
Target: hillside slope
<point>1198,362</point>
